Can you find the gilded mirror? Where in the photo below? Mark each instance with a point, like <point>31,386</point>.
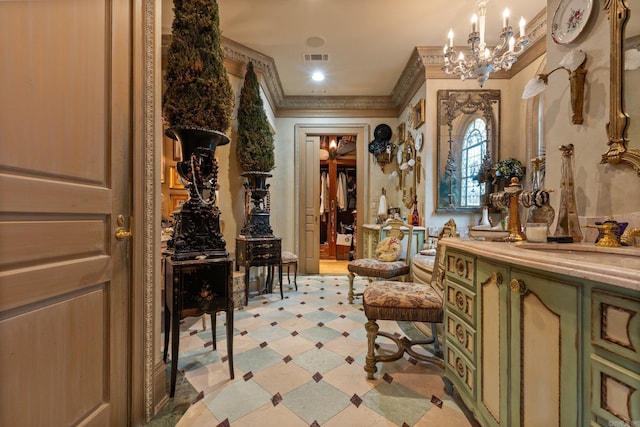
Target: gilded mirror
<point>468,136</point>
<point>624,38</point>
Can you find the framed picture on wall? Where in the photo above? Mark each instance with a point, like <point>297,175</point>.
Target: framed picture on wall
<point>174,179</point>
<point>176,201</point>
<point>418,114</point>
<point>401,133</point>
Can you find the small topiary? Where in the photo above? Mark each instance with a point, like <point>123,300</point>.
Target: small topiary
<point>198,92</point>
<point>255,148</point>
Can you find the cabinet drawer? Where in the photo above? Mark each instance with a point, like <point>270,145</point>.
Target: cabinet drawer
<point>460,301</point>
<point>461,334</point>
<point>615,396</point>
<point>615,324</point>
<point>461,372</point>
<point>460,267</point>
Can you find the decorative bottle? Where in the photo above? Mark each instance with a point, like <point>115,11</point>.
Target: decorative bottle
<point>415,216</point>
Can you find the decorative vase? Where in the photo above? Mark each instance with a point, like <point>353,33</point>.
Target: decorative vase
<point>197,224</point>
<point>568,224</point>
<point>257,207</point>
<point>485,217</point>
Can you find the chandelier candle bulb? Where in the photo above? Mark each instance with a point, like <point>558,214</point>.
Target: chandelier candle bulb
<point>474,23</point>
<point>505,18</point>
<point>512,43</point>
<point>450,35</point>
<point>522,24</point>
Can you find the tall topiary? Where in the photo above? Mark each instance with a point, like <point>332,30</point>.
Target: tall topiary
<point>198,92</point>
<point>255,141</point>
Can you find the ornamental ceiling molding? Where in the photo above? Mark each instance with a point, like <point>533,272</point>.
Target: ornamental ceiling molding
<point>425,63</point>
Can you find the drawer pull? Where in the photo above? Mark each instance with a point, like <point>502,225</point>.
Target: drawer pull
<point>460,300</point>
<point>460,333</point>
<point>518,286</point>
<point>460,367</point>
<point>460,267</point>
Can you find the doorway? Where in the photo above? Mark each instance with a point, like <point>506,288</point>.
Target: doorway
<point>308,141</point>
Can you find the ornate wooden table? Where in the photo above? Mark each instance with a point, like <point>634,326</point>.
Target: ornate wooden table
<point>255,252</point>
<point>193,288</point>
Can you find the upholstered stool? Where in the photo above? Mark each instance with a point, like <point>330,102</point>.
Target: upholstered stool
<point>289,259</point>
<point>400,301</point>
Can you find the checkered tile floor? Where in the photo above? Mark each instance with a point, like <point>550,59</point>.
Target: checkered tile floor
<point>299,362</point>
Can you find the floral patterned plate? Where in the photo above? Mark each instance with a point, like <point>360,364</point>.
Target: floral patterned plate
<point>569,20</point>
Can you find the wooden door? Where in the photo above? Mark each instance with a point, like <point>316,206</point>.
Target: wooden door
<point>309,196</point>
<point>65,176</point>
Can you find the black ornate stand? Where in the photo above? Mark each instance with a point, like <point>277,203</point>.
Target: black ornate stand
<point>255,252</point>
<point>194,288</point>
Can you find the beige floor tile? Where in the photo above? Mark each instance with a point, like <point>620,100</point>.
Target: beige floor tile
<point>297,324</point>
<point>291,345</point>
<point>443,417</point>
<point>347,346</point>
<point>270,416</point>
<point>350,379</point>
<point>250,324</point>
<point>345,324</point>
<point>358,417</point>
<point>198,415</point>
<point>421,378</point>
<point>210,377</point>
<point>282,378</point>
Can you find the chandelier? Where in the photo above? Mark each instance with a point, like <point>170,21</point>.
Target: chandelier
<point>483,61</point>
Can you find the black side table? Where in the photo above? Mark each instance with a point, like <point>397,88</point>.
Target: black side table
<point>255,252</point>
<point>193,288</point>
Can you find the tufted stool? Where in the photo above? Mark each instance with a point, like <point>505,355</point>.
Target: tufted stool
<point>400,301</point>
<point>289,259</point>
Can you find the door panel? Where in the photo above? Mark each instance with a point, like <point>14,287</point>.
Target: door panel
<point>311,202</point>
<point>64,176</point>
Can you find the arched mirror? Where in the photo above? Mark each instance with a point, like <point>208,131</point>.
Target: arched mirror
<point>468,136</point>
<point>625,81</point>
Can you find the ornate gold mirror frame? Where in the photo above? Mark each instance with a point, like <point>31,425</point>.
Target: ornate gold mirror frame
<point>619,151</point>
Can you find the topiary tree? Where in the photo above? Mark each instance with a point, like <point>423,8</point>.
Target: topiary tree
<point>198,92</point>
<point>255,141</point>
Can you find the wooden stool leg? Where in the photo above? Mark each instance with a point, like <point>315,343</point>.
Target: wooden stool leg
<point>370,361</point>
<point>350,295</point>
<point>167,330</point>
<point>434,332</point>
<point>295,274</point>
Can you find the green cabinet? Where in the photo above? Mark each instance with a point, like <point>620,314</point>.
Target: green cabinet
<point>527,347</point>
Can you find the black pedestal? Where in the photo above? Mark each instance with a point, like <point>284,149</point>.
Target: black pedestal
<point>194,288</point>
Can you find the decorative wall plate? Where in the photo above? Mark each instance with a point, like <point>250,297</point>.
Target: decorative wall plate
<point>569,20</point>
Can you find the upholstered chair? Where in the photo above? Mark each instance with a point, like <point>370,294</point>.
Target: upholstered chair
<point>391,260</point>
<point>404,301</point>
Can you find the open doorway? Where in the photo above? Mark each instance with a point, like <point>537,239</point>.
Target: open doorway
<point>328,232</point>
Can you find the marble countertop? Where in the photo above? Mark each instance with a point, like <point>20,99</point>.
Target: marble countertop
<point>614,266</point>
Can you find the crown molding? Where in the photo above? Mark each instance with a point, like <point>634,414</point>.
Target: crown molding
<point>425,63</point>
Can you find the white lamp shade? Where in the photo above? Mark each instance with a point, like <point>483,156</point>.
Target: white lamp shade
<point>573,59</point>
<point>533,88</point>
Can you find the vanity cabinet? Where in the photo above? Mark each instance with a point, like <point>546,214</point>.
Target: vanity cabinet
<point>530,347</point>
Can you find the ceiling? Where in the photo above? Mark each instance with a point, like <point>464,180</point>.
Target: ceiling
<point>368,42</point>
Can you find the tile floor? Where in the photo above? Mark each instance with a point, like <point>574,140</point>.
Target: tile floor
<point>299,362</point>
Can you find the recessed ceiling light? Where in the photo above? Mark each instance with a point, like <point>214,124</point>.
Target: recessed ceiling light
<point>315,41</point>
<point>318,76</point>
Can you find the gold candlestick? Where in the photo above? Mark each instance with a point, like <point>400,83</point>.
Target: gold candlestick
<point>515,228</point>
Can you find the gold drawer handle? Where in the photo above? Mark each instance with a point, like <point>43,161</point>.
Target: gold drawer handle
<point>460,333</point>
<point>459,367</point>
<point>460,300</point>
<point>518,286</point>
<point>460,267</point>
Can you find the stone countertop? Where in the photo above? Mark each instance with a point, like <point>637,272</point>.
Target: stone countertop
<point>614,266</point>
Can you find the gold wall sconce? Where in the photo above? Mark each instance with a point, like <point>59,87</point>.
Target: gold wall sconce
<point>574,64</point>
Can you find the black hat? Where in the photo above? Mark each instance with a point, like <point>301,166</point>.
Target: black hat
<point>382,132</point>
